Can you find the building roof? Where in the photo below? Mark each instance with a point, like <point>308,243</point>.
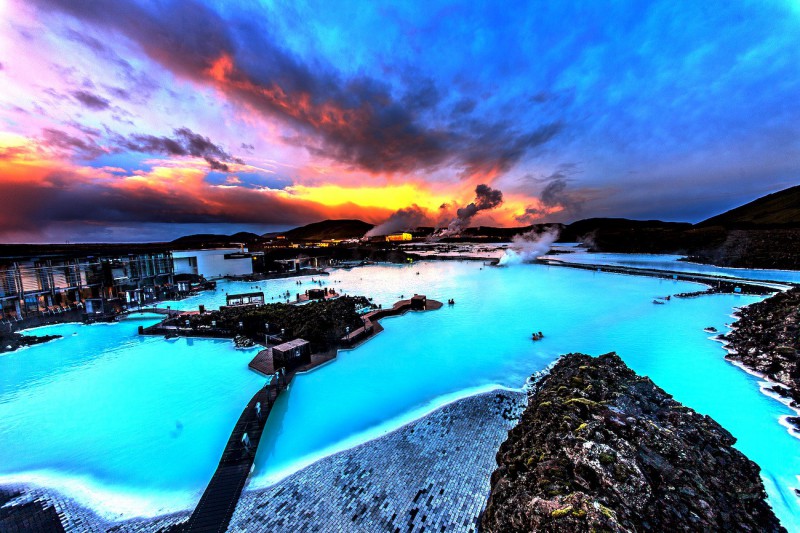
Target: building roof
<point>290,345</point>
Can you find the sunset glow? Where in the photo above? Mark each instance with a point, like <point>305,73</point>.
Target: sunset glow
<point>238,115</point>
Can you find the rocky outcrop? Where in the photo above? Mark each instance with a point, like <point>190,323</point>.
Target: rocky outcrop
<point>13,341</point>
<point>767,340</point>
<point>600,448</point>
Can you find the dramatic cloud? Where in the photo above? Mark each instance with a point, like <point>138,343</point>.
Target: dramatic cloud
<point>185,143</point>
<point>56,196</point>
<point>674,111</point>
<point>91,101</point>
<point>70,144</point>
<point>357,122</point>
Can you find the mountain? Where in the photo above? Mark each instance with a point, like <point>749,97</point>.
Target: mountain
<point>760,234</point>
<point>614,226</point>
<point>213,239</point>
<point>777,210</point>
<point>328,229</point>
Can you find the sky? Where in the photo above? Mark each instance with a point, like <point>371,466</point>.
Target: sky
<point>132,120</point>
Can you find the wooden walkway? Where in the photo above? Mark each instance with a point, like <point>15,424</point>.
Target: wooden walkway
<point>215,509</point>
<point>216,506</point>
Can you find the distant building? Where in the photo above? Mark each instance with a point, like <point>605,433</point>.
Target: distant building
<point>214,263</point>
<point>398,237</point>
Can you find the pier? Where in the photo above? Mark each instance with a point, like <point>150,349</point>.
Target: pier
<point>218,502</point>
<point>717,283</point>
<point>215,508</point>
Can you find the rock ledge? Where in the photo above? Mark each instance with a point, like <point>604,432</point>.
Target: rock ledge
<point>600,448</point>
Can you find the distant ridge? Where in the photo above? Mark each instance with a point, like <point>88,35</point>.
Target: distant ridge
<point>580,228</point>
<point>327,229</point>
<point>777,210</point>
<point>242,237</point>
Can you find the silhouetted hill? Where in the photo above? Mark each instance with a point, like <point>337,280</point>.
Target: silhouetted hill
<point>591,227</point>
<point>776,210</point>
<point>764,233</point>
<point>328,229</point>
<point>213,239</point>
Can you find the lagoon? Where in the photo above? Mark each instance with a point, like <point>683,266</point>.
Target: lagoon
<point>136,396</point>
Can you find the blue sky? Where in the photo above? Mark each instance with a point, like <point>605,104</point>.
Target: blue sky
<point>281,113</point>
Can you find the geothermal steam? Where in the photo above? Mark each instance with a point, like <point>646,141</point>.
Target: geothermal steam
<point>528,247</point>
<point>485,198</point>
<point>403,219</point>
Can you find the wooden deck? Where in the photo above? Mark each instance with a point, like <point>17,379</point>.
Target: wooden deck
<point>372,326</point>
<point>215,509</point>
<point>216,506</point>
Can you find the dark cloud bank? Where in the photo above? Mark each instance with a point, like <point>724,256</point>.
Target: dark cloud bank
<point>357,122</point>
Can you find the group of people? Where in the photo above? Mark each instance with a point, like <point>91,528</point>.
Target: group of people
<point>537,336</point>
<point>451,302</point>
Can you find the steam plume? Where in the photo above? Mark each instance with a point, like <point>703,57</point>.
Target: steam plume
<point>403,219</point>
<point>485,198</point>
<point>529,246</point>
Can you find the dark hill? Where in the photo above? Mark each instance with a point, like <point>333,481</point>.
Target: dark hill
<point>776,210</point>
<point>211,239</point>
<point>616,228</point>
<point>329,229</point>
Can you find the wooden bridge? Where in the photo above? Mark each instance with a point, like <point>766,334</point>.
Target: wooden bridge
<point>217,504</point>
<point>215,509</point>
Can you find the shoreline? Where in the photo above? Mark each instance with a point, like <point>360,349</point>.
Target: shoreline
<point>763,341</point>
<point>765,381</point>
<point>318,475</point>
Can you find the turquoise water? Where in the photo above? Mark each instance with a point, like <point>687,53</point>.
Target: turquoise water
<point>670,262</point>
<point>274,292</point>
<point>137,425</point>
<point>484,341</point>
<point>129,425</point>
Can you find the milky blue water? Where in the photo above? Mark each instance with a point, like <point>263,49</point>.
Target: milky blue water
<point>484,341</point>
<point>149,462</point>
<point>670,262</point>
<point>129,425</point>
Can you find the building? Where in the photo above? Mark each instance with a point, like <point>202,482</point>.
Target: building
<point>51,283</point>
<point>214,263</point>
<point>398,237</point>
<point>292,354</point>
<point>247,299</point>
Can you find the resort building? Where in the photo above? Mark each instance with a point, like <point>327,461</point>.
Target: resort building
<point>214,263</point>
<point>55,283</point>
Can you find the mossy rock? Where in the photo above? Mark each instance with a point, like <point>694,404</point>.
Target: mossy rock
<point>560,513</point>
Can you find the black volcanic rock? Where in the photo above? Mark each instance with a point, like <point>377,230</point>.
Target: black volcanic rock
<point>13,341</point>
<point>767,340</point>
<point>600,448</point>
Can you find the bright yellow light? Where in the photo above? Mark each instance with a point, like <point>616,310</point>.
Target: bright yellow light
<point>387,197</point>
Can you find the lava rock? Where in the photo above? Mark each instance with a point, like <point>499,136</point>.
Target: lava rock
<point>600,448</point>
<point>766,339</point>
